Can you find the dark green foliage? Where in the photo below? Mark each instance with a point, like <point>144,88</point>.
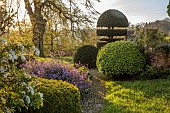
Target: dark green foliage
<point>165,46</point>
<point>151,38</point>
<point>111,40</point>
<point>112,18</point>
<point>168,11</point>
<point>59,97</point>
<point>86,55</point>
<point>120,60</point>
<point>151,72</point>
<point>109,20</point>
<point>101,44</point>
<point>110,32</point>
<point>104,41</point>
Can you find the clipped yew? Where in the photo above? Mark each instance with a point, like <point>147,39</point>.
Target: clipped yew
<point>121,59</point>
<point>86,55</point>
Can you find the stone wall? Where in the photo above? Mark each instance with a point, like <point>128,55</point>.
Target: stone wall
<point>159,59</point>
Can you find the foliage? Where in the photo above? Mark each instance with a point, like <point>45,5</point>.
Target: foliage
<point>120,59</point>
<point>149,96</point>
<point>16,87</point>
<point>67,59</point>
<point>101,44</point>
<point>86,55</point>
<point>53,69</point>
<point>165,47</point>
<point>168,7</point>
<point>65,12</point>
<point>150,38</point>
<point>112,32</point>
<point>112,18</point>
<point>151,72</point>
<point>59,97</point>
<point>6,17</point>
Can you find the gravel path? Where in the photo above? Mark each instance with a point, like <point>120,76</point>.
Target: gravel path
<point>93,102</point>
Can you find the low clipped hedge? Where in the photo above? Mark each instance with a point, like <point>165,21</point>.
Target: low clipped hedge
<point>120,60</point>
<point>59,97</point>
<point>86,55</point>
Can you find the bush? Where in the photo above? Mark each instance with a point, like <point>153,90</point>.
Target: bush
<point>59,97</point>
<point>16,92</point>
<point>121,59</point>
<point>151,72</point>
<point>86,55</point>
<point>53,69</point>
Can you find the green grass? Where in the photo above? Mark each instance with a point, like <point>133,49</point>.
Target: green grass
<point>149,96</point>
<point>67,59</point>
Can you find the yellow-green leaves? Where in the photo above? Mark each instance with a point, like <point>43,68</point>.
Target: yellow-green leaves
<point>120,59</point>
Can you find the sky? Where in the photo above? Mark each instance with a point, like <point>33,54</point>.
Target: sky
<point>136,11</point>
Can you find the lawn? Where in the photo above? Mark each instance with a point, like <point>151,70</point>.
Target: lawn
<point>149,96</point>
<point>142,96</point>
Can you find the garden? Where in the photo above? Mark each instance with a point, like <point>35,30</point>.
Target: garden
<point>44,69</point>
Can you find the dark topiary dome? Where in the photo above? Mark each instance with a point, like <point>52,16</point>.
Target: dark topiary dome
<point>111,23</point>
<point>112,18</point>
<point>86,55</point>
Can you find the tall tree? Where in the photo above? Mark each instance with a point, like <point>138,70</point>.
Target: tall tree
<point>67,10</point>
<point>168,7</point>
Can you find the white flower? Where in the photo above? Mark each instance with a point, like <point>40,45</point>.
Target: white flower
<point>7,110</point>
<point>30,89</point>
<point>12,55</point>
<point>41,95</point>
<point>4,41</point>
<point>2,70</point>
<point>37,52</point>
<point>27,76</point>
<point>23,84</point>
<point>23,57</point>
<point>28,99</point>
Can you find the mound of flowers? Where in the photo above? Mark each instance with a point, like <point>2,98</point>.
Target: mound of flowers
<point>58,70</point>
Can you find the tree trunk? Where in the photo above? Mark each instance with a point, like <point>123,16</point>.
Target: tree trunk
<point>38,24</point>
<point>38,32</point>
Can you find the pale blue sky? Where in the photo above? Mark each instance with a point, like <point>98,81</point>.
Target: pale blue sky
<point>136,10</point>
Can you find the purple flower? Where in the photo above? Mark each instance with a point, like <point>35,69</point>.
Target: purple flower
<point>58,71</point>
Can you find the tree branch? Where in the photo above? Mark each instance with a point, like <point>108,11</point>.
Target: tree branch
<point>30,11</point>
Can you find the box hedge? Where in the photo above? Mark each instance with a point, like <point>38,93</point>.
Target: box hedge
<point>59,97</point>
<point>120,60</point>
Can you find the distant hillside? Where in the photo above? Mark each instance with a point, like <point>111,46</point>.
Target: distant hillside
<point>162,25</point>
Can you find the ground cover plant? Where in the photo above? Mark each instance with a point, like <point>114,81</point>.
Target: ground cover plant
<point>54,69</point>
<point>149,96</point>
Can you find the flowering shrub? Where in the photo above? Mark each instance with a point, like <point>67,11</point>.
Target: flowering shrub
<point>56,70</point>
<point>16,87</point>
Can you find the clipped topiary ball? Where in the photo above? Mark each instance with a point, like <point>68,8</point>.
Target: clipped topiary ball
<point>86,55</point>
<point>120,59</point>
<point>59,97</point>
